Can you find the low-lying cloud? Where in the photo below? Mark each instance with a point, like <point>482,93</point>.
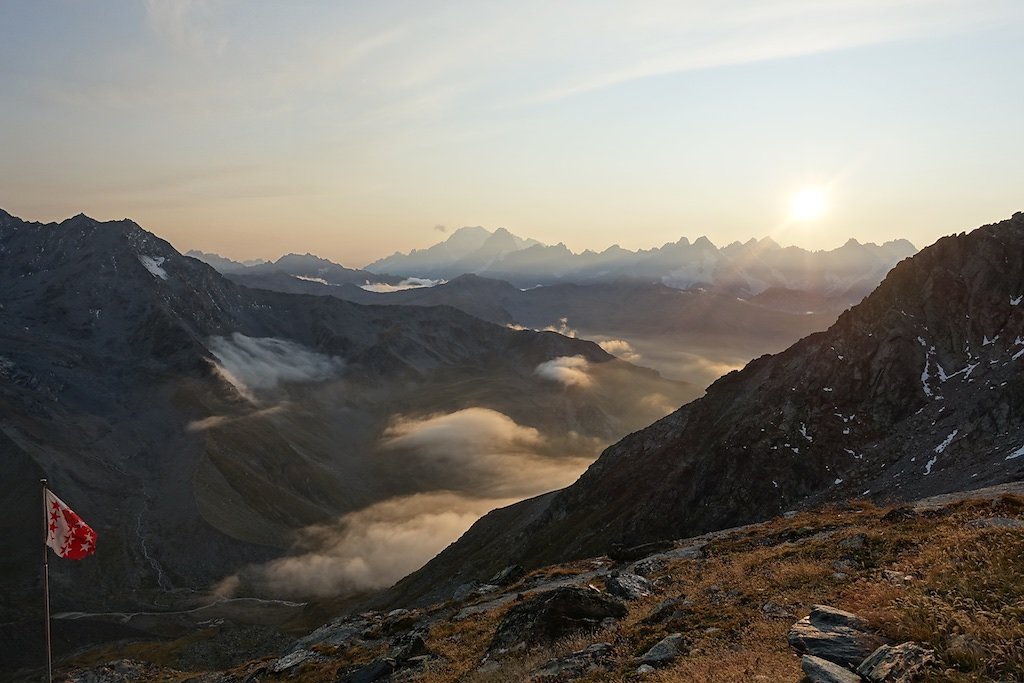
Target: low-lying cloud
<point>219,420</point>
<point>478,459</point>
<point>485,453</point>
<point>408,283</point>
<point>621,349</point>
<point>307,278</point>
<point>562,328</point>
<point>365,550</point>
<point>252,364</point>
<point>568,370</point>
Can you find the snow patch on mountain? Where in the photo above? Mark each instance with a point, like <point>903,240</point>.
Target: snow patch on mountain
<point>152,264</point>
<point>948,440</point>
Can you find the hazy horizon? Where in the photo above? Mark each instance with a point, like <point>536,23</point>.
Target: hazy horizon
<point>259,129</point>
<point>442,236</point>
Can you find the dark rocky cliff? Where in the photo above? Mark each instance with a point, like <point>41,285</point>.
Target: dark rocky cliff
<point>916,391</point>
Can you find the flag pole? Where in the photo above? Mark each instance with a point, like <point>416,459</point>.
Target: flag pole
<point>46,585</point>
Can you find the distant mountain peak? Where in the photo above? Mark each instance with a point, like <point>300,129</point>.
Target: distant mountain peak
<point>738,269</point>
<point>914,392</point>
<point>901,244</point>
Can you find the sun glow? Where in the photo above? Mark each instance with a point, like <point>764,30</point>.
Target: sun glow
<point>807,204</point>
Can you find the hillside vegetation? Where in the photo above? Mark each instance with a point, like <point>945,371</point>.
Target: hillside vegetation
<point>945,573</point>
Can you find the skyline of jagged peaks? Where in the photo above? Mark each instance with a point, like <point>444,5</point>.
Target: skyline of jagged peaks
<point>368,129</point>
<point>470,238</point>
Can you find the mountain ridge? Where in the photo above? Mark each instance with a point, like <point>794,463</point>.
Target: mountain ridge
<point>198,424</point>
<point>742,268</point>
<point>857,410</point>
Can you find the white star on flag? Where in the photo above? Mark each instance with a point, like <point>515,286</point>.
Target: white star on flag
<point>66,533</point>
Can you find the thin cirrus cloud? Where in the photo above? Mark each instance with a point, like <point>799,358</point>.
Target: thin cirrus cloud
<point>692,36</point>
<point>380,60</point>
<point>539,51</point>
<point>383,115</point>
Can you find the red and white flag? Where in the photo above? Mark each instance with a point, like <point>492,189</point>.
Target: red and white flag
<point>67,534</point>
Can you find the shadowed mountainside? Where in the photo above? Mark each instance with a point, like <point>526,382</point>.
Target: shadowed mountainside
<point>916,391</point>
<point>198,425</point>
<point>693,335</point>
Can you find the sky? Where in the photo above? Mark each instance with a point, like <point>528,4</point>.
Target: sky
<point>353,130</point>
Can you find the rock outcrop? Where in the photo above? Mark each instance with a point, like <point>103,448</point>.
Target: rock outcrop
<point>834,635</point>
<point>549,616</point>
<point>903,663</point>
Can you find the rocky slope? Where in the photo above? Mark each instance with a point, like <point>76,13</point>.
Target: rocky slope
<point>916,391</point>
<point>928,591</point>
<point>197,424</point>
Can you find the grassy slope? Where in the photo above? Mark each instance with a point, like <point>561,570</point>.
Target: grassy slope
<point>964,596</point>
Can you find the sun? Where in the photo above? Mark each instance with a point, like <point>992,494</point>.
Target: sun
<point>807,204</point>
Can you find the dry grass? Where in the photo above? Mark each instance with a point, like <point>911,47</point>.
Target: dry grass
<point>965,600</point>
<point>461,645</point>
<point>754,656</point>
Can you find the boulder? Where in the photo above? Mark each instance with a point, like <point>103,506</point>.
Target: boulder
<point>996,523</point>
<point>855,542</point>
<point>899,514</point>
<point>628,586</point>
<point>650,565</point>
<point>832,634</point>
<point>620,552</point>
<point>903,663</point>
<point>293,659</point>
<point>818,670</point>
<point>895,577</point>
<point>407,651</point>
<point>377,670</point>
<point>775,610</point>
<point>399,621</point>
<point>340,632</point>
<point>576,665</point>
<point>669,610</point>
<point>463,591</point>
<point>546,617</point>
<point>664,652</point>
<point>507,576</point>
<point>408,646</point>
